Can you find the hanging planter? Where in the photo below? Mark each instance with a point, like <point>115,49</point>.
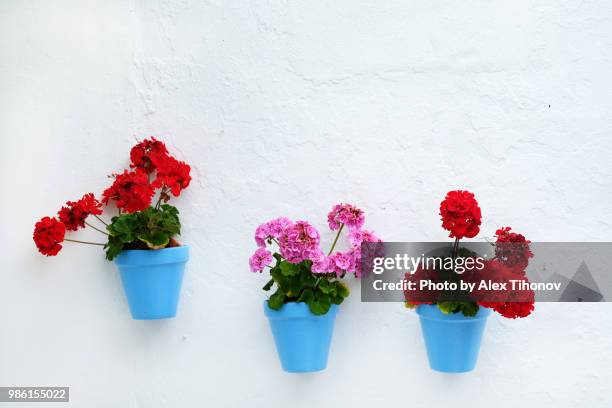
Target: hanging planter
<point>453,318</point>
<point>452,340</point>
<point>302,338</point>
<point>141,238</point>
<point>152,280</point>
<point>308,284</point>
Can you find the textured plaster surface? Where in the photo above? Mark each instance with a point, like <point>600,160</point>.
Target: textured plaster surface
<point>285,108</point>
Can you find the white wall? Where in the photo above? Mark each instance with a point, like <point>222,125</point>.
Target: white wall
<point>285,108</point>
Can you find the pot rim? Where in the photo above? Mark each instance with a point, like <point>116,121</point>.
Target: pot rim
<point>296,310</point>
<point>136,257</point>
<point>428,312</point>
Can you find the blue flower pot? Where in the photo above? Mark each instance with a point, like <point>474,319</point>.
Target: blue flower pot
<point>452,340</point>
<point>152,280</point>
<point>302,338</point>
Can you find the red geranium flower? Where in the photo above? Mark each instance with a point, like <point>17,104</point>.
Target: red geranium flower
<point>512,249</point>
<point>505,234</point>
<point>510,303</point>
<point>172,174</point>
<point>147,153</point>
<point>48,234</point>
<point>460,214</point>
<point>73,215</point>
<point>511,310</point>
<point>131,190</point>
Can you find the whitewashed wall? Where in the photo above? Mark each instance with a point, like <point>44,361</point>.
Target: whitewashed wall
<point>285,108</point>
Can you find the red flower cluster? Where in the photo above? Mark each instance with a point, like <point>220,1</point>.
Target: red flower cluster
<point>513,249</point>
<point>462,217</point>
<point>510,303</point>
<point>131,190</point>
<point>511,310</point>
<point>172,174</point>
<point>48,234</point>
<point>73,215</point>
<point>147,154</point>
<point>460,214</point>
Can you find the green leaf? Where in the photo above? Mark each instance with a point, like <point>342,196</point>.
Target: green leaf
<point>306,296</point>
<point>268,285</point>
<point>171,210</point>
<point>151,226</point>
<point>279,278</point>
<point>319,306</point>
<point>448,307</point>
<point>325,286</point>
<point>337,300</point>
<point>289,269</point>
<point>294,288</point>
<point>342,289</point>
<point>296,283</point>
<point>307,279</point>
<point>469,308</point>
<point>124,225</point>
<point>277,300</point>
<point>156,240</point>
<point>113,248</point>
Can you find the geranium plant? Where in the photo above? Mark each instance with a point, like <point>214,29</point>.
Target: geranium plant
<point>300,269</point>
<point>140,194</point>
<point>461,216</point>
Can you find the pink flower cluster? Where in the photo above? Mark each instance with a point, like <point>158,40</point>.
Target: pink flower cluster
<point>349,261</point>
<point>345,214</point>
<point>299,241</point>
<point>271,230</point>
<point>260,259</point>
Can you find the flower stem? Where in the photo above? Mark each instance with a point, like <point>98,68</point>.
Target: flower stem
<point>335,240</point>
<point>97,229</point>
<point>101,220</point>
<point>83,242</point>
<point>455,248</point>
<point>321,277</point>
<point>161,195</point>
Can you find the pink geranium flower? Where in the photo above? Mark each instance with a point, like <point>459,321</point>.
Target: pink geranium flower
<point>345,214</point>
<point>357,237</point>
<point>299,241</point>
<point>271,229</point>
<point>260,259</point>
<point>320,263</point>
